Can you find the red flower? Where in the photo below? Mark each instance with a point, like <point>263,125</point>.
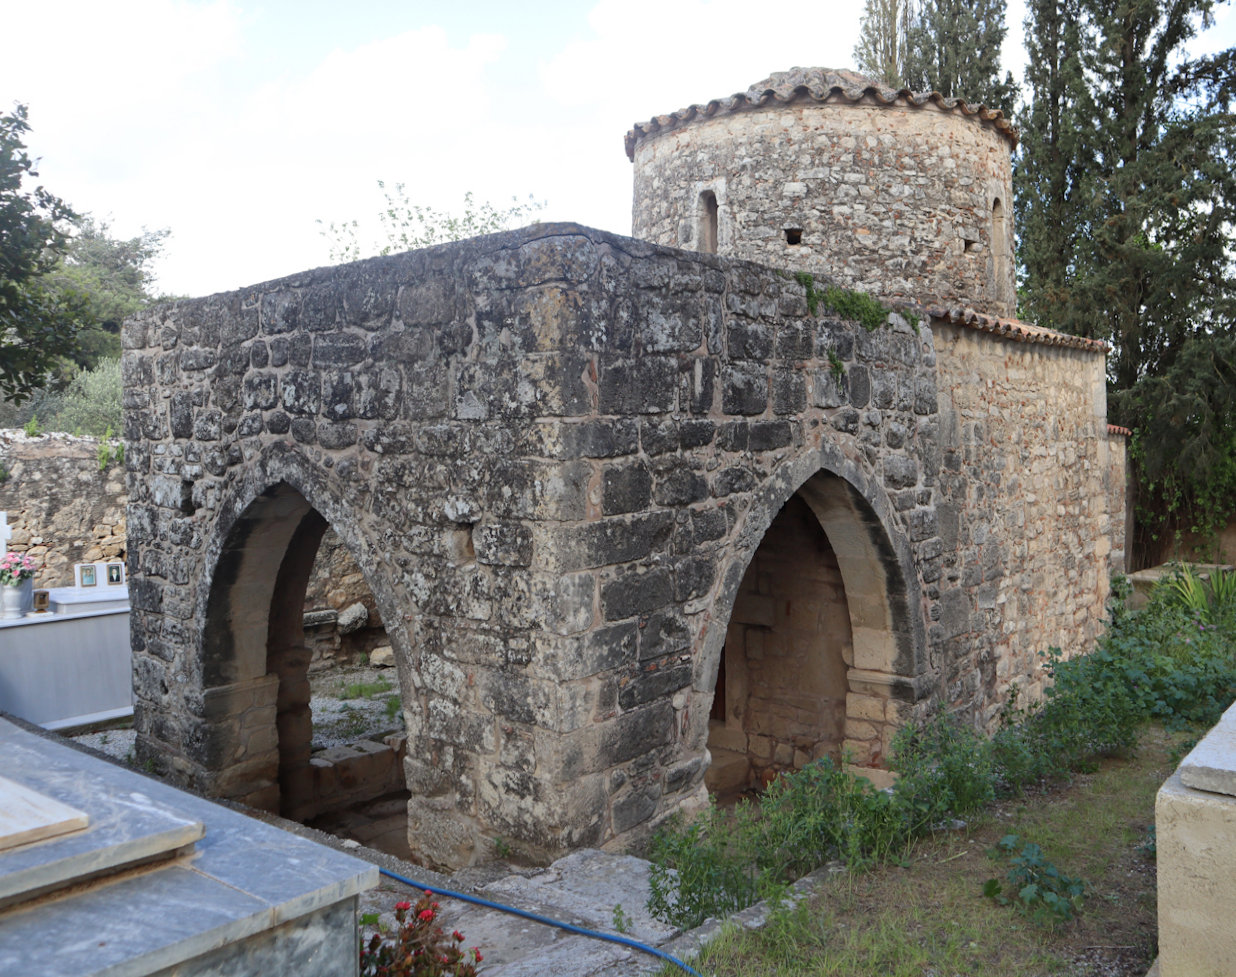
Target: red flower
<point>405,906</point>
<point>476,952</point>
<point>458,936</point>
<point>426,915</point>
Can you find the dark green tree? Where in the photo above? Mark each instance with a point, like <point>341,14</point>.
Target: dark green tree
<point>881,49</point>
<point>109,279</point>
<point>1127,200</point>
<point>38,324</point>
<point>953,47</point>
<point>1050,173</point>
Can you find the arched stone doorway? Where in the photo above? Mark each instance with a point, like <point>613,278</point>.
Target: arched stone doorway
<point>255,668</point>
<point>819,657</point>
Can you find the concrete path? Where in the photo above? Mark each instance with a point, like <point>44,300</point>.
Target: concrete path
<point>583,888</point>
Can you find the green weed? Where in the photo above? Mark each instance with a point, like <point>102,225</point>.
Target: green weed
<point>1038,889</point>
<point>365,690</point>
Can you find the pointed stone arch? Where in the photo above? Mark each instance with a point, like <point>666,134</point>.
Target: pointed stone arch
<point>254,730</point>
<point>886,662</point>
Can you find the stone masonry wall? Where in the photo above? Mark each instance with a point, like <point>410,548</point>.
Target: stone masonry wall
<point>1031,502</point>
<point>893,200</point>
<point>554,453</point>
<point>62,507</point>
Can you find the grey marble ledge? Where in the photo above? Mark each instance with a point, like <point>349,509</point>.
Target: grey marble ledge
<point>241,878</point>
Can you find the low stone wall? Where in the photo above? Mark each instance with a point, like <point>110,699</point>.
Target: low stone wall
<point>62,505</point>
<point>345,776</point>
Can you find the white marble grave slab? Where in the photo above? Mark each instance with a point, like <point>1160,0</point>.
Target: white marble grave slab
<point>27,816</point>
<point>126,828</point>
<point>243,883</point>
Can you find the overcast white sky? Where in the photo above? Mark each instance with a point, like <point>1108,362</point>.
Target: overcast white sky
<point>238,123</point>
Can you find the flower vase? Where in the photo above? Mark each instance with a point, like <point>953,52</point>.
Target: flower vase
<point>16,599</point>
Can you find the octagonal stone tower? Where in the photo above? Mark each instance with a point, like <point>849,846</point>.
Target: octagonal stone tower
<point>904,195</point>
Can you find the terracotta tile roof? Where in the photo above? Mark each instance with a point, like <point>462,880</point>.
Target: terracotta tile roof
<point>1020,332</point>
<point>821,84</point>
<point>1117,429</point>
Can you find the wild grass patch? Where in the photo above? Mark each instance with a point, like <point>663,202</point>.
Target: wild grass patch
<point>1170,663</point>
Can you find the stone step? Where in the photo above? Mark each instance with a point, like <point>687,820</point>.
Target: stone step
<point>729,772</point>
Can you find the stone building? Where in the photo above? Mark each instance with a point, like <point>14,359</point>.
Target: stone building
<point>639,520</point>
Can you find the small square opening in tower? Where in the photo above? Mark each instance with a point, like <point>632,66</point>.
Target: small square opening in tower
<point>793,235</point>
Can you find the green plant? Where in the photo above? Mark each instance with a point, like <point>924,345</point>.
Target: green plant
<point>946,770</point>
<point>807,281</point>
<point>392,707</point>
<point>835,366</point>
<point>365,690</point>
<point>108,451</point>
<point>32,428</point>
<point>502,847</point>
<point>418,947</point>
<point>1150,844</point>
<point>704,868</point>
<point>621,921</point>
<point>1038,889</point>
<point>407,226</point>
<point>4,471</point>
<point>859,306</point>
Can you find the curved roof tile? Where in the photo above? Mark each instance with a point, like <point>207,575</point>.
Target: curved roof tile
<point>821,84</point>
<point>1017,331</point>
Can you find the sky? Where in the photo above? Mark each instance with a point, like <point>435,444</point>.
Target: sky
<point>239,125</point>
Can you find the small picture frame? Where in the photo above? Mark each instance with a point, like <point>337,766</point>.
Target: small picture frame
<point>87,576</point>
<point>42,602</point>
<point>115,574</point>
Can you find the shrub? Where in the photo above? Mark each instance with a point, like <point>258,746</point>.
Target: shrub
<point>945,769</point>
<point>418,947</point>
<point>704,868</point>
<point>822,812</point>
<point>91,403</point>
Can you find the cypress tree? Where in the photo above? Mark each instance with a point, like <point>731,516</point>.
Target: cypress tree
<point>1127,198</point>
<point>953,47</point>
<point>881,49</point>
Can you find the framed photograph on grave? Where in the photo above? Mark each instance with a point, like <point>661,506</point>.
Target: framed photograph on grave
<point>115,574</point>
<point>42,602</point>
<point>86,575</point>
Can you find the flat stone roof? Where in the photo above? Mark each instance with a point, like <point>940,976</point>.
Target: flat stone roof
<point>217,876</point>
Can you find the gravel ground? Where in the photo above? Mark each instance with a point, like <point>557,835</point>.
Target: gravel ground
<point>349,703</point>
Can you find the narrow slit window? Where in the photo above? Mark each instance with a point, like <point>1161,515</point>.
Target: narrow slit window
<point>1002,257</point>
<point>793,235</point>
<point>708,222</point>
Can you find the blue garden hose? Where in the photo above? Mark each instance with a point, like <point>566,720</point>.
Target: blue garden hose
<point>545,920</point>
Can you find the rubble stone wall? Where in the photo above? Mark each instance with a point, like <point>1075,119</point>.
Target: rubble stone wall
<point>895,200</point>
<point>554,454</point>
<point>1031,513</point>
<point>62,506</point>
